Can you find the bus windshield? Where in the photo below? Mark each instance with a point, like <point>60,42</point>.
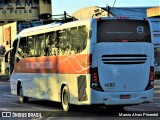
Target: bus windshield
<point>120,30</point>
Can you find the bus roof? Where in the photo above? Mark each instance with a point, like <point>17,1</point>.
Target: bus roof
<point>49,27</point>
<point>32,29</point>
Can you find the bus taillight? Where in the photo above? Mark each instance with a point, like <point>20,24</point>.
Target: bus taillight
<point>122,17</point>
<point>124,40</point>
<point>145,19</point>
<point>98,19</point>
<point>151,79</point>
<point>95,80</point>
<point>151,75</point>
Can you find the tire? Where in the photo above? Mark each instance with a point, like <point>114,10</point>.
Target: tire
<point>22,98</point>
<point>65,98</point>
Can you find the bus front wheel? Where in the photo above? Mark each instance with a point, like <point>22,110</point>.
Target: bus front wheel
<point>65,98</point>
<point>22,98</point>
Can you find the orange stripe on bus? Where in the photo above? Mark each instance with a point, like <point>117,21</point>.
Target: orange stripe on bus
<point>66,64</point>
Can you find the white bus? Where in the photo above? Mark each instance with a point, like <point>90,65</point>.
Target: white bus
<point>106,61</point>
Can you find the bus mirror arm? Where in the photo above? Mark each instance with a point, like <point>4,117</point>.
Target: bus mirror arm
<point>6,57</point>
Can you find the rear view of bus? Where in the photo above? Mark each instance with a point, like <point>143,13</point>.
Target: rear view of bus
<point>122,62</point>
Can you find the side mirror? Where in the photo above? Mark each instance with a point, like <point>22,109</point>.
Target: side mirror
<point>7,54</point>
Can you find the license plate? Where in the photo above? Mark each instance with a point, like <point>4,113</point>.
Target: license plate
<point>124,96</point>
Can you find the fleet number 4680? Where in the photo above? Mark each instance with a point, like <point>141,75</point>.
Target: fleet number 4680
<point>110,84</point>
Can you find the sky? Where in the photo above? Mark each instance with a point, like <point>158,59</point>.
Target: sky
<point>71,6</point>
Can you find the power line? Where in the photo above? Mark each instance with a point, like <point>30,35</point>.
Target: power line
<point>114,3</point>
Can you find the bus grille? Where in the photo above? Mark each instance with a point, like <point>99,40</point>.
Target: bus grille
<point>124,59</point>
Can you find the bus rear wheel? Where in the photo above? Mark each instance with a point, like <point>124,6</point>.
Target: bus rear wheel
<point>22,98</point>
<point>65,98</point>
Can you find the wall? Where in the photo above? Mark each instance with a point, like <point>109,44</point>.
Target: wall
<point>45,6</point>
<point>153,12</point>
<point>1,35</point>
<point>8,33</point>
<point>90,12</point>
<point>19,10</point>
<point>153,15</point>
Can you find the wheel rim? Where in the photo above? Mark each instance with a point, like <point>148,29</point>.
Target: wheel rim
<point>21,94</point>
<point>65,96</point>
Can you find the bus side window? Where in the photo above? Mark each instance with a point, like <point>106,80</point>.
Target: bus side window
<point>73,38</point>
<point>62,42</point>
<point>51,48</point>
<point>69,42</point>
<point>65,42</point>
<point>30,46</point>
<point>46,49</point>
<point>82,38</point>
<point>21,51</point>
<point>39,45</point>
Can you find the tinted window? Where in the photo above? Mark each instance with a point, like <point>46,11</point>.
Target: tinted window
<point>73,40</point>
<point>123,30</point>
<point>51,44</point>
<point>40,45</point>
<point>62,42</point>
<point>30,46</point>
<point>22,50</point>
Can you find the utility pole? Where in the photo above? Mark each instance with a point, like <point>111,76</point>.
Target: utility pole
<point>108,9</point>
<point>65,15</point>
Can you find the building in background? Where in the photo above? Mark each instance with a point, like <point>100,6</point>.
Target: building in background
<point>7,34</point>
<point>153,15</point>
<point>95,11</point>
<point>23,10</point>
<point>91,12</point>
<point>16,15</point>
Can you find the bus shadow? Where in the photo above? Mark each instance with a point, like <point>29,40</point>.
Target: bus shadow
<point>45,104</point>
<point>55,109</point>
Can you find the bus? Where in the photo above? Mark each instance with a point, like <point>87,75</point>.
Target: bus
<point>155,36</point>
<point>98,61</point>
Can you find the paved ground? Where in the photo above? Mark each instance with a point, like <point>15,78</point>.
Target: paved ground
<point>50,110</point>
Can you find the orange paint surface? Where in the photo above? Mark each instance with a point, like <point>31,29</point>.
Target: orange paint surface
<point>66,64</point>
